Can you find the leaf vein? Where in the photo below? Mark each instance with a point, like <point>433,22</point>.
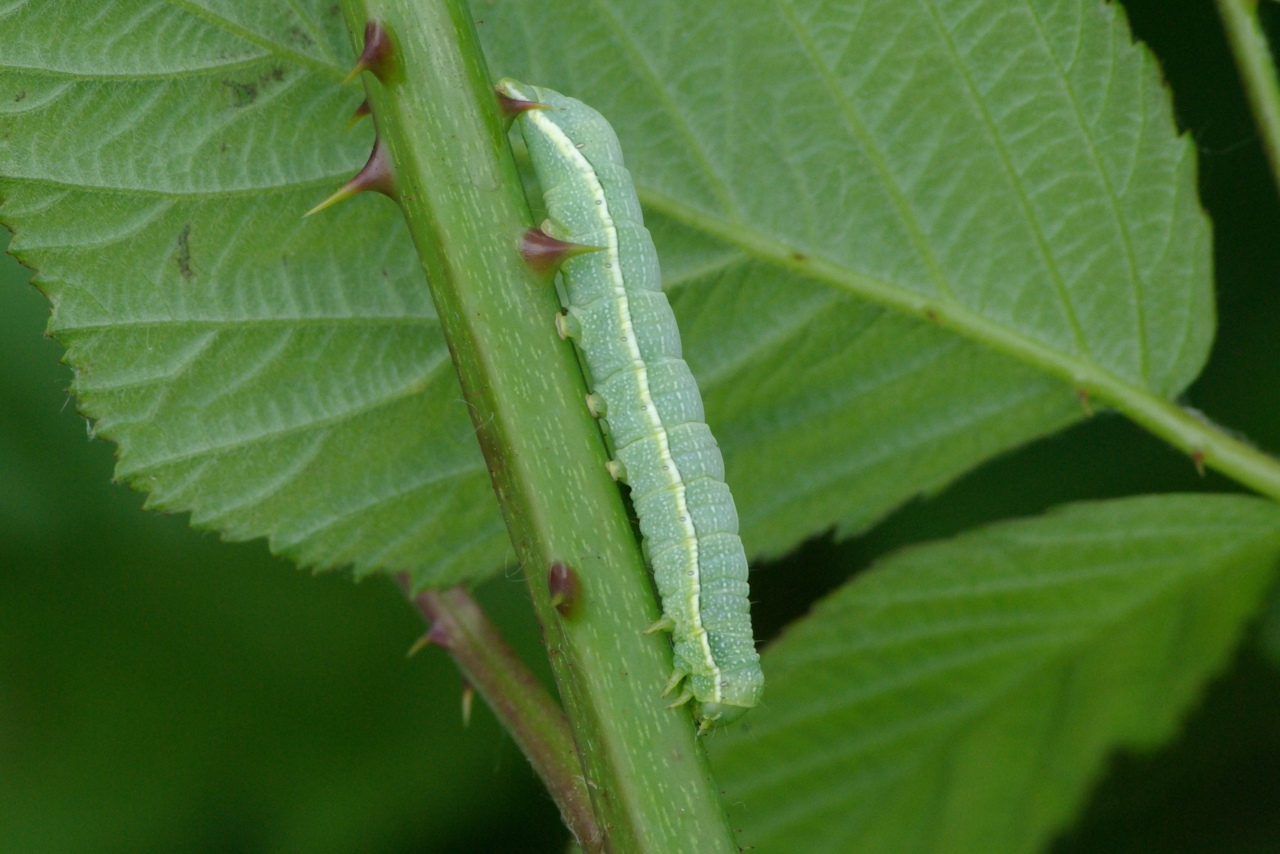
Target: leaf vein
<point>416,386</point>
<point>245,34</point>
<point>1015,180</point>
<point>678,119</point>
<point>1121,224</point>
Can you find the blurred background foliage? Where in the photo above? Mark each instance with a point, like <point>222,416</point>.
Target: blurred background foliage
<point>161,690</point>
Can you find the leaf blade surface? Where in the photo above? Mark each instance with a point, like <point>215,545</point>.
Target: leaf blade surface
<point>963,695</point>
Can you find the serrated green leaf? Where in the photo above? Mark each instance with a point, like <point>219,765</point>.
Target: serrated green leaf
<point>276,376</point>
<point>962,696</point>
<point>286,378</point>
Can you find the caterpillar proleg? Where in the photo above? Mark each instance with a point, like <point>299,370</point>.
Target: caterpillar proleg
<point>623,325</point>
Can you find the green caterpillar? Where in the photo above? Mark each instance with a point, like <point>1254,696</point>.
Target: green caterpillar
<point>641,387</point>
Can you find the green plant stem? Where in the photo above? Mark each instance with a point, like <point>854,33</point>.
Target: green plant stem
<point>1206,444</point>
<point>435,110</point>
<point>517,698</point>
<point>1257,71</point>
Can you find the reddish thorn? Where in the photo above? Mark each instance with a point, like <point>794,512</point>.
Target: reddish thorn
<point>1197,460</point>
<point>435,636</point>
<point>376,175</point>
<point>565,588</point>
<point>361,111</point>
<point>376,54</point>
<point>1083,396</point>
<point>512,107</point>
<point>545,253</point>
<point>438,636</point>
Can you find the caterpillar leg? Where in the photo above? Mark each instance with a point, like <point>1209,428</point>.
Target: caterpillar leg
<point>718,714</point>
<point>568,326</point>
<point>616,470</point>
<point>685,696</point>
<point>666,624</point>
<point>677,677</point>
<point>595,405</point>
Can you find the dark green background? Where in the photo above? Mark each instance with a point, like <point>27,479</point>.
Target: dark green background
<point>161,690</point>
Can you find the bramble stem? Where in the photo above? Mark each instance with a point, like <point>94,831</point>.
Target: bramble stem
<point>456,182</point>
<point>518,700</point>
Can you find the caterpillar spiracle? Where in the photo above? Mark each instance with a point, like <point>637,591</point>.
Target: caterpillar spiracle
<point>620,320</point>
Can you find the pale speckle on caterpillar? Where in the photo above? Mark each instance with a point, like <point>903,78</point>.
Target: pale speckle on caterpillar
<point>647,398</point>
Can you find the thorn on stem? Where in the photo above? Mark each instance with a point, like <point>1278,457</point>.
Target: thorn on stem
<point>1197,460</point>
<point>361,111</point>
<point>1087,405</point>
<point>376,175</point>
<point>544,253</point>
<point>376,55</point>
<point>513,107</point>
<point>565,589</point>
<point>435,636</point>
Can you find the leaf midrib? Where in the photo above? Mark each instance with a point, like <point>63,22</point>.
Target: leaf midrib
<point>1079,372</point>
<point>151,192</point>
<point>1205,443</point>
